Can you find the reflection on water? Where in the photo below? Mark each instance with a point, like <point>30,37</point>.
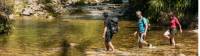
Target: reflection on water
<point>83,37</point>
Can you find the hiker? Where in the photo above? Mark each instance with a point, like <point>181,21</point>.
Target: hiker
<point>171,31</point>
<point>142,30</point>
<point>149,26</point>
<point>110,28</point>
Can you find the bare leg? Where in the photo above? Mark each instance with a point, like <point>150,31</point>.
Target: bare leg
<point>173,41</point>
<point>169,38</point>
<point>166,34</point>
<point>139,41</point>
<point>140,44</point>
<point>107,46</point>
<point>142,41</point>
<point>111,46</point>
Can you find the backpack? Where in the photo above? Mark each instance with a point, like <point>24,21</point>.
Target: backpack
<point>114,25</point>
<point>146,22</point>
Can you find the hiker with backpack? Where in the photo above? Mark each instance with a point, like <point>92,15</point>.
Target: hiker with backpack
<point>110,28</point>
<point>142,30</point>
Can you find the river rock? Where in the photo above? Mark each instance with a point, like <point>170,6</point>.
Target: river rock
<point>11,16</point>
<point>27,11</point>
<point>50,17</point>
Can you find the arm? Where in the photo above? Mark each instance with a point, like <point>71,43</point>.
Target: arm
<point>104,33</point>
<point>105,27</point>
<point>146,28</point>
<point>177,21</point>
<point>135,33</point>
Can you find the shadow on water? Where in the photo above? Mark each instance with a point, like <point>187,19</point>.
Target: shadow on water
<point>65,48</point>
<point>64,43</point>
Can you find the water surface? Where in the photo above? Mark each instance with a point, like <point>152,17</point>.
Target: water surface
<point>79,37</point>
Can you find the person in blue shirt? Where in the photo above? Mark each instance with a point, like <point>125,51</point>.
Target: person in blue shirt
<point>142,30</point>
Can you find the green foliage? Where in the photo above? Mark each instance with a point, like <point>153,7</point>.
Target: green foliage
<point>165,5</point>
<point>116,1</point>
<point>153,9</point>
<point>45,1</point>
<point>5,23</point>
<point>63,1</point>
<point>80,3</point>
<point>156,5</point>
<point>77,11</point>
<point>5,11</point>
<point>50,7</point>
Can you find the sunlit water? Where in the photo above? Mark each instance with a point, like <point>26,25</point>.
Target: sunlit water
<point>68,37</point>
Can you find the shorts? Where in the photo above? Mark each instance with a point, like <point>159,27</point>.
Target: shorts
<point>170,32</point>
<point>108,36</point>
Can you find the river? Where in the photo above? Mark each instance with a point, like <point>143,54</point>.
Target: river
<point>83,37</point>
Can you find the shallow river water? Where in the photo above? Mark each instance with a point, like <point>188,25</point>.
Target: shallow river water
<point>79,37</point>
